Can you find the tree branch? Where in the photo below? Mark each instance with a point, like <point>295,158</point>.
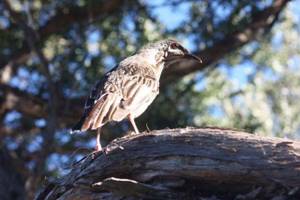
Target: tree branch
<point>14,99</point>
<point>63,19</point>
<point>33,106</point>
<point>186,163</point>
<point>261,22</point>
<point>32,38</point>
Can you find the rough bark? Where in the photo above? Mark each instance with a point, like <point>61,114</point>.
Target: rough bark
<point>186,163</point>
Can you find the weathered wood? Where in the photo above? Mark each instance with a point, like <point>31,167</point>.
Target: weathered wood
<point>187,164</point>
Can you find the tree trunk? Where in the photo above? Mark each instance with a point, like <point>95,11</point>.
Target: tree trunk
<point>190,163</point>
<point>11,182</point>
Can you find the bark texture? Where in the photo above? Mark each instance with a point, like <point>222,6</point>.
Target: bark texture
<point>190,163</point>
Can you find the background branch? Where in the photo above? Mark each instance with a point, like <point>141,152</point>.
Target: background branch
<point>261,22</point>
<point>63,19</point>
<point>32,38</point>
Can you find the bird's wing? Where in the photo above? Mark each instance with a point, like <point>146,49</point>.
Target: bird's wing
<point>139,89</point>
<point>97,94</point>
<point>114,96</point>
<point>126,90</point>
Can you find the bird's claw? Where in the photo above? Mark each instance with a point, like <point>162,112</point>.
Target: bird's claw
<point>104,150</point>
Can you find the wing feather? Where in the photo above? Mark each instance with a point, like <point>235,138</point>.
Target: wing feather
<point>96,94</point>
<point>102,111</point>
<point>126,88</point>
<point>93,113</point>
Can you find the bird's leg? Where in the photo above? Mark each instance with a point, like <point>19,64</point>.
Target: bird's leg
<point>98,147</point>
<point>131,119</point>
<point>98,143</point>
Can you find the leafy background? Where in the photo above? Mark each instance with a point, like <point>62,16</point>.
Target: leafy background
<point>52,52</point>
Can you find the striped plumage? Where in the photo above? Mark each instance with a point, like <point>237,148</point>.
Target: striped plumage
<point>128,89</point>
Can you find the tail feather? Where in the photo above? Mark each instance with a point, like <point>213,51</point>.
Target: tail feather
<point>102,116</point>
<point>91,114</point>
<point>78,126</point>
<point>104,110</point>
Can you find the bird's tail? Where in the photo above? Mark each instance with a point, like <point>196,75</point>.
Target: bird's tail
<point>77,128</point>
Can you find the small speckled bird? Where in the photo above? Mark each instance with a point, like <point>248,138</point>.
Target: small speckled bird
<point>129,88</point>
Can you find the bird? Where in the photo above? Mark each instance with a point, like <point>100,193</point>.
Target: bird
<point>127,90</point>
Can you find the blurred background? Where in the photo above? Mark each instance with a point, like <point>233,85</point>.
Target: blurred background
<point>53,51</point>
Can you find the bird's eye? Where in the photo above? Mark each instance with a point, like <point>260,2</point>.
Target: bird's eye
<point>174,46</point>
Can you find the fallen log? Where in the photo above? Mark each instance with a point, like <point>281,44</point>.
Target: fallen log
<point>190,163</point>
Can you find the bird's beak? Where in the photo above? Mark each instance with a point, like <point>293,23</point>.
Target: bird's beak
<point>191,56</point>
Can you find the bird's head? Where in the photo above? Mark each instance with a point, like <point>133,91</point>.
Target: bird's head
<point>169,51</point>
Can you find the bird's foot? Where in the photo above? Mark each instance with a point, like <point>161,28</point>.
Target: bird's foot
<point>116,145</point>
<point>99,150</point>
<point>148,129</point>
<point>106,149</point>
<point>134,133</point>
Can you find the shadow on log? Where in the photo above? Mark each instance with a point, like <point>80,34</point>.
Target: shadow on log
<point>190,163</point>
